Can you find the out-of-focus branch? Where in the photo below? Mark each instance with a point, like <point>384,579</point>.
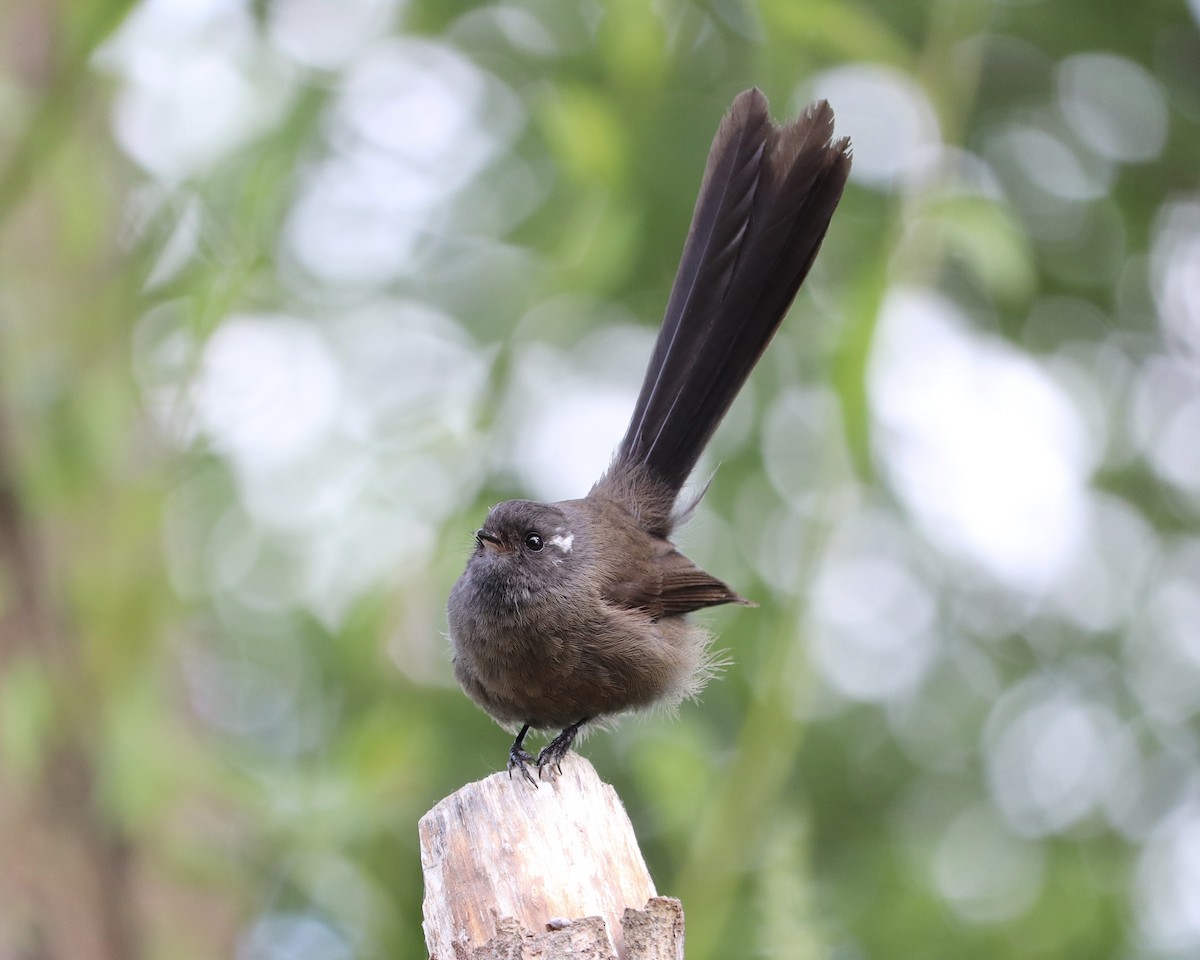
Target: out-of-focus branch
<point>25,617</point>
<point>66,871</point>
<point>53,111</point>
<point>65,875</point>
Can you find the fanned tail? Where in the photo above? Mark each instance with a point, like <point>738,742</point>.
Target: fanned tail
<point>764,206</point>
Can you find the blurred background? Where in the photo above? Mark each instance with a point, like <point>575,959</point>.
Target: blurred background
<point>292,290</point>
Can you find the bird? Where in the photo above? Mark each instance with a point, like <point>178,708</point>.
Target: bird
<point>572,613</point>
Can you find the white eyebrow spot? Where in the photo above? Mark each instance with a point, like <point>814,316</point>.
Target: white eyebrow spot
<point>562,541</point>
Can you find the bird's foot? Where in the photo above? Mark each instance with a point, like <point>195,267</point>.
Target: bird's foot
<point>551,756</point>
<point>519,758</point>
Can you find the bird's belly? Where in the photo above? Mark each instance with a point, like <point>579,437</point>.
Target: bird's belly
<point>620,662</point>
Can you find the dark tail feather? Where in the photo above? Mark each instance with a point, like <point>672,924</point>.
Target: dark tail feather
<point>765,203</point>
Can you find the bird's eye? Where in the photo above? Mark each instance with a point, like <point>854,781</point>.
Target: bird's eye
<point>533,541</point>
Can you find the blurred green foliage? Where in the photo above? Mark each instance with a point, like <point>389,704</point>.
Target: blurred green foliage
<point>225,697</point>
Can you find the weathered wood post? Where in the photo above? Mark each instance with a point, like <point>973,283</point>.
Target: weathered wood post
<point>517,872</point>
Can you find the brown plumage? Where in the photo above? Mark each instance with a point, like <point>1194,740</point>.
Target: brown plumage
<point>574,611</point>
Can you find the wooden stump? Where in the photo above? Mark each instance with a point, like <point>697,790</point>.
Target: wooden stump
<point>516,871</point>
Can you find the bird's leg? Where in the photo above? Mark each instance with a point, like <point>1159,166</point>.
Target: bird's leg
<point>553,752</point>
<point>519,758</point>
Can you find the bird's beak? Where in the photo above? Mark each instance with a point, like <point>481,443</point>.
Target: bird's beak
<point>489,541</point>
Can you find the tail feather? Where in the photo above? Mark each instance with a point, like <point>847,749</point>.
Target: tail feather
<point>764,206</point>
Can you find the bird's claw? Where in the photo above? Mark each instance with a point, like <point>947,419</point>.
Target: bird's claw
<point>552,754</point>
<point>519,759</point>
